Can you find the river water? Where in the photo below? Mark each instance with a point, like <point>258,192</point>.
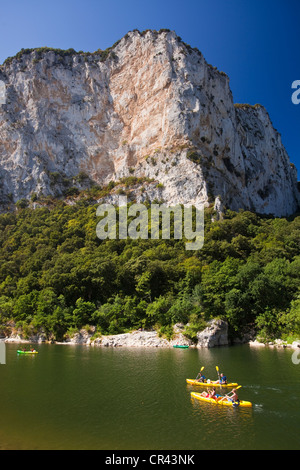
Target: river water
<point>78,397</point>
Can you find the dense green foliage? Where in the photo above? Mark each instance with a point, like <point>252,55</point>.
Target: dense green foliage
<point>57,275</point>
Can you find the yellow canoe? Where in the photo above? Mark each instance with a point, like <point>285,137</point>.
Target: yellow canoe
<point>242,403</point>
<point>210,383</point>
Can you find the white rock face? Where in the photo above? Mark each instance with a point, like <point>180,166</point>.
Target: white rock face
<point>153,108</point>
<point>215,334</point>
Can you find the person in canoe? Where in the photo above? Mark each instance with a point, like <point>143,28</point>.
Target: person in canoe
<point>222,379</point>
<point>234,397</point>
<point>200,377</point>
<point>211,393</point>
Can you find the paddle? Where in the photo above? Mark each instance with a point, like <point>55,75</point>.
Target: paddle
<point>227,396</point>
<point>197,374</point>
<point>217,369</point>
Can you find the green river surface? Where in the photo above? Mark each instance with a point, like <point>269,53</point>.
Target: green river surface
<point>77,397</point>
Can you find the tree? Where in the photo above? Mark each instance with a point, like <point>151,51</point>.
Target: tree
<point>218,278</point>
<point>6,308</point>
<point>290,320</point>
<point>158,311</point>
<point>83,312</point>
<point>25,306</point>
<point>267,324</point>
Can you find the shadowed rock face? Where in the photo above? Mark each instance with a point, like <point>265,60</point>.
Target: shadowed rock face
<point>150,106</point>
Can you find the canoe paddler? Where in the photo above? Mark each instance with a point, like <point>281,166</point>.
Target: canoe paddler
<point>200,377</point>
<point>222,379</point>
<point>234,397</point>
<point>211,393</point>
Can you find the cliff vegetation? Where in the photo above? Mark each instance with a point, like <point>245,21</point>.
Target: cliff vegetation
<point>55,274</point>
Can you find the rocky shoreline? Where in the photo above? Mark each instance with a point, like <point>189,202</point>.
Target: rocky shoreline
<point>214,335</point>
<point>277,343</point>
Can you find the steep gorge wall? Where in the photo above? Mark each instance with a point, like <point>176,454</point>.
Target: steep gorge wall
<point>151,106</point>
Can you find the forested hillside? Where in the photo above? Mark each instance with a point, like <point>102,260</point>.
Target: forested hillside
<point>57,275</point>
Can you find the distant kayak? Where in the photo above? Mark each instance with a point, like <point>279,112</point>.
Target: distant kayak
<point>181,346</point>
<point>210,382</point>
<point>242,403</point>
<point>27,352</point>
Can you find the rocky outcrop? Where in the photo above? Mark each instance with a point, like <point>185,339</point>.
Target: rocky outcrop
<point>216,334</point>
<point>277,343</point>
<point>150,106</point>
<point>139,338</point>
<point>148,339</point>
<point>20,337</point>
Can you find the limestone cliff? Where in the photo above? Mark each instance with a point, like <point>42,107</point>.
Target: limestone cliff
<point>149,106</point>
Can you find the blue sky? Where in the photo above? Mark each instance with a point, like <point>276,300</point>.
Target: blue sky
<point>257,43</point>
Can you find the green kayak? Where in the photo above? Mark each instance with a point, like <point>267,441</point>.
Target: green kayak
<point>181,346</point>
<point>26,352</point>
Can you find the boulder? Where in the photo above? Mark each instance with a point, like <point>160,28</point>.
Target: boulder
<point>134,339</point>
<point>215,334</point>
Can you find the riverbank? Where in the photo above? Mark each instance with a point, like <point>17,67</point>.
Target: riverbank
<point>214,335</point>
<point>277,343</point>
<point>132,339</point>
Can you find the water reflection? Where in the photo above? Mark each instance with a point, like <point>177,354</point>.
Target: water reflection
<point>226,427</point>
